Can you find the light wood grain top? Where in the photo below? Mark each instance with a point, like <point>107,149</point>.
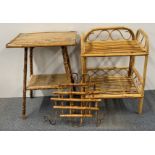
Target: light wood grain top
<point>43,39</point>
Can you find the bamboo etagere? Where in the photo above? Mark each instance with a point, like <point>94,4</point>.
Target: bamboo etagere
<point>116,81</point>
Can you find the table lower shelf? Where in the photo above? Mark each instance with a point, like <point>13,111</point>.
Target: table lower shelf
<point>47,81</point>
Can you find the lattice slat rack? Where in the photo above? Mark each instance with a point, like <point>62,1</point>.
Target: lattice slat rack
<point>72,103</point>
<point>116,81</point>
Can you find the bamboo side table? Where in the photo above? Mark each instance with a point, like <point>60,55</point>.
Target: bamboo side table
<point>29,41</point>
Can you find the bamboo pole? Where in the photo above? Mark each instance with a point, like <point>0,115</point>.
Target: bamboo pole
<point>140,104</point>
<point>96,105</point>
<point>131,65</point>
<point>67,63</point>
<point>24,84</point>
<point>76,107</point>
<point>76,99</point>
<point>31,68</point>
<point>144,71</point>
<point>83,63</point>
<point>76,115</point>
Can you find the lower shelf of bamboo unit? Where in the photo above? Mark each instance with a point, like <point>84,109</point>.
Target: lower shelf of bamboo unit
<point>116,87</point>
<point>47,81</point>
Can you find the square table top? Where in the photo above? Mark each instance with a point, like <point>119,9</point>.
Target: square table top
<point>43,39</point>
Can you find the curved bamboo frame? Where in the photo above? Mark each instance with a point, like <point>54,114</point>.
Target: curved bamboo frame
<point>112,29</point>
<point>144,38</point>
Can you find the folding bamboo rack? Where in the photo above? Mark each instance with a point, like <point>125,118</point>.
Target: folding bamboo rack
<point>73,103</point>
<point>116,82</point>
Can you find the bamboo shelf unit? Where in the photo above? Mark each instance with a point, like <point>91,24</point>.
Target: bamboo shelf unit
<point>116,81</point>
<point>29,41</point>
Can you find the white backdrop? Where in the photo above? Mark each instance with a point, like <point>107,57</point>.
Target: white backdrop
<point>49,60</point>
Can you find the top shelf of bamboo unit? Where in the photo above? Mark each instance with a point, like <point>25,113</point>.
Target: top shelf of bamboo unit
<point>113,48</point>
<point>114,41</point>
<point>43,39</point>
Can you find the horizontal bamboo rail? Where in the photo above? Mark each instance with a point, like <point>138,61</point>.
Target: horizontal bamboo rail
<point>112,55</point>
<point>76,99</point>
<point>114,96</point>
<point>77,93</point>
<point>105,68</point>
<point>76,84</point>
<point>76,107</point>
<point>76,115</point>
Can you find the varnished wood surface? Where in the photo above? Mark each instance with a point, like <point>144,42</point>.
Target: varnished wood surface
<point>43,39</point>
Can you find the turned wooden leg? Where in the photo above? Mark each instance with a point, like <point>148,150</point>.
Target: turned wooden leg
<point>31,68</point>
<point>140,105</point>
<point>24,84</point>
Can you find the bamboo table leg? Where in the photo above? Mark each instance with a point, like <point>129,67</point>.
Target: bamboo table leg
<point>140,104</point>
<point>24,84</point>
<point>31,68</point>
<point>67,63</point>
